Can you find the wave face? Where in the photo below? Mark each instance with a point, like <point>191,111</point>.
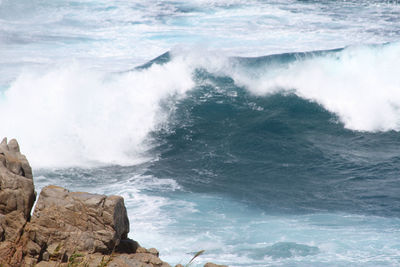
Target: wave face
<point>300,131</point>
<point>92,112</point>
<point>358,84</point>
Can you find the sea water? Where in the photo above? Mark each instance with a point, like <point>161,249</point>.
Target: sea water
<point>263,132</point>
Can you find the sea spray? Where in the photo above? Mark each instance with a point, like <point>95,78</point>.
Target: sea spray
<point>70,116</point>
<point>79,113</point>
<point>359,84</point>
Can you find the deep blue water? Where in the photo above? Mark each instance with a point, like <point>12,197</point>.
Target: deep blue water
<point>281,153</point>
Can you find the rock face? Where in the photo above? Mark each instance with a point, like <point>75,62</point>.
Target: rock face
<point>75,221</point>
<point>210,264</point>
<point>82,229</point>
<point>17,193</point>
<point>17,196</point>
<point>67,228</point>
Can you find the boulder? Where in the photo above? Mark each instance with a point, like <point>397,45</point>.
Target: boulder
<point>65,222</point>
<point>17,196</point>
<point>113,260</point>
<point>137,260</point>
<point>12,159</point>
<point>210,264</point>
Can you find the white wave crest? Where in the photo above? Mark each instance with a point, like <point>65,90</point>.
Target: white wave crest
<point>359,84</point>
<point>75,117</point>
<point>71,116</point>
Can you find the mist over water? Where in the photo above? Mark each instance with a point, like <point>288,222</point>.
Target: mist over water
<point>266,133</point>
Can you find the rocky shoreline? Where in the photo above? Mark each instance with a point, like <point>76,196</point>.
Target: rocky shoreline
<point>66,228</point>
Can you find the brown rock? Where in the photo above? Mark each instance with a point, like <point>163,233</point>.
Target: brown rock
<point>17,196</point>
<point>127,246</point>
<point>137,260</point>
<point>210,264</point>
<point>146,258</point>
<point>7,251</point>
<point>141,250</point>
<point>17,193</point>
<point>13,160</point>
<point>64,222</point>
<point>153,251</point>
<point>113,260</point>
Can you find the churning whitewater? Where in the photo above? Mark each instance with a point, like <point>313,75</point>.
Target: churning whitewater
<point>264,132</point>
<point>359,85</point>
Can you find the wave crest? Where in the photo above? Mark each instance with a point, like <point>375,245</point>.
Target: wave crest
<point>359,84</point>
<point>71,116</point>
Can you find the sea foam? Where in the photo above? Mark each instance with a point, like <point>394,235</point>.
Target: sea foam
<point>71,116</point>
<point>360,85</point>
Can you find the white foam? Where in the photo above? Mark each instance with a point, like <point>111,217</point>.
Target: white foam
<point>360,84</point>
<point>71,116</point>
<point>116,35</point>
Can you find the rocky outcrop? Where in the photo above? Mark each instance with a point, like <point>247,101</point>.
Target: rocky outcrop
<point>78,229</point>
<point>210,264</point>
<point>17,193</point>
<point>75,221</point>
<point>66,228</point>
<point>17,196</point>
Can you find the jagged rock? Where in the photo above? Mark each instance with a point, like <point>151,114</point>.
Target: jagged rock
<point>64,222</point>
<point>127,246</point>
<point>208,264</point>
<point>153,251</point>
<point>113,260</point>
<point>17,196</point>
<point>13,160</point>
<point>137,260</point>
<point>141,250</point>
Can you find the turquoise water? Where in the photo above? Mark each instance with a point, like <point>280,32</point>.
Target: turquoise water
<point>267,135</point>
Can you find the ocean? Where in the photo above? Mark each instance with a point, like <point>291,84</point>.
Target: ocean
<point>263,132</point>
